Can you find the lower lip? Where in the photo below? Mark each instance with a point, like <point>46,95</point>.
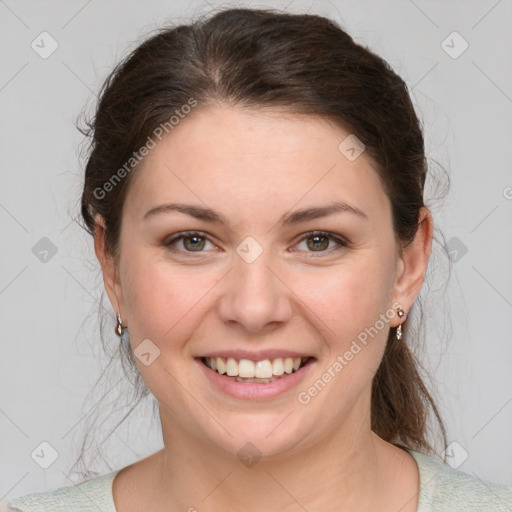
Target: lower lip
<point>255,390</point>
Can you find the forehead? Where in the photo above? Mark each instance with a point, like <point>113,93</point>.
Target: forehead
<point>259,161</point>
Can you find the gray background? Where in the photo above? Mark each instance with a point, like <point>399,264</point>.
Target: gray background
<point>50,349</point>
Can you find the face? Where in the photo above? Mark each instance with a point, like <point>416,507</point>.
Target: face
<point>236,272</point>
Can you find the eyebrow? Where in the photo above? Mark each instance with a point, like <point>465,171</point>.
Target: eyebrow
<point>288,219</point>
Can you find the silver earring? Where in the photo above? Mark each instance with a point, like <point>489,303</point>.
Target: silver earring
<point>119,326</point>
<point>401,313</point>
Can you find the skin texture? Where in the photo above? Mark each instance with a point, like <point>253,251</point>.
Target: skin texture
<point>254,167</point>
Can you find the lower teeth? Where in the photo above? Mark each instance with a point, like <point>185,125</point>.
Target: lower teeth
<point>261,381</point>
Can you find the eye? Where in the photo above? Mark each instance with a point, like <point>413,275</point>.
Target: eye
<point>316,241</point>
<point>319,241</point>
<point>192,241</point>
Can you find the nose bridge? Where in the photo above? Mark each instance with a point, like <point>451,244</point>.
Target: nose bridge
<point>253,295</point>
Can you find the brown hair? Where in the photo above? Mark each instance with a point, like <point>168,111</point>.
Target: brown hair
<point>265,58</point>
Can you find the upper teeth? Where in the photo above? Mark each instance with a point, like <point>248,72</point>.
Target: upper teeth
<point>264,369</point>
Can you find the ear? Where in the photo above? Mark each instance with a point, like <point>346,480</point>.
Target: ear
<point>412,263</point>
<point>109,267</point>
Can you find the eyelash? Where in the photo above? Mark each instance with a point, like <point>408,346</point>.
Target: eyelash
<point>324,234</point>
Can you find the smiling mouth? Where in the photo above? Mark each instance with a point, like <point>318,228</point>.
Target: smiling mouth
<point>263,372</point>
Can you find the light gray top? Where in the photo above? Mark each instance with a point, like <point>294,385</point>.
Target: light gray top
<point>442,489</point>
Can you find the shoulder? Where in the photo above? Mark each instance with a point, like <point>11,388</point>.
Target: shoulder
<point>92,495</point>
<point>444,489</point>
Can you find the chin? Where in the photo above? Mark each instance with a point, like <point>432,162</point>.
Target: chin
<point>262,436</point>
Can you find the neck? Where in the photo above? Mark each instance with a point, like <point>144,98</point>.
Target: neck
<point>343,467</point>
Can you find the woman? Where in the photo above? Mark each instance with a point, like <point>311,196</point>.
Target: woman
<point>255,193</point>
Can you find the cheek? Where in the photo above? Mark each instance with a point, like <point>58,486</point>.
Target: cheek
<point>350,304</point>
<point>164,306</point>
<point>159,299</point>
<point>347,299</point>
<point>354,322</point>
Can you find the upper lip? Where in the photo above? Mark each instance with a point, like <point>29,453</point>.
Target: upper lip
<point>256,356</point>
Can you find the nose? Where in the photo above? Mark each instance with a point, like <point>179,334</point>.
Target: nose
<point>254,296</point>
